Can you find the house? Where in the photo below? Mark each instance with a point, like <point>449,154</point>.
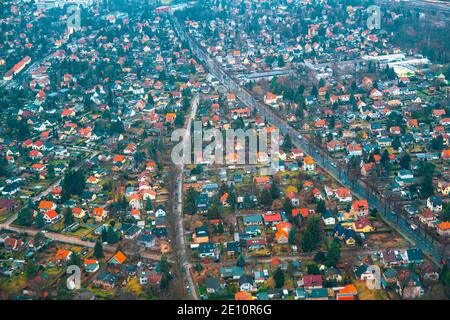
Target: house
<point>78,212</point>
<point>343,195</point>
<point>362,272</point>
<point>354,149</point>
<point>212,284</point>
<point>105,280</point>
<point>389,278</point>
<point>404,177</point>
<point>206,250</point>
<point>328,218</point>
<point>414,256</point>
<point>46,205</point>
<point>317,294</point>
<point>309,164</point>
<point>201,235</point>
<point>91,265</point>
<point>409,285</point>
<point>362,225</point>
<point>12,244</point>
<point>312,281</point>
<point>247,283</point>
<point>443,229</point>
<point>63,255</point>
<point>234,272</point>
<point>253,219</point>
<point>283,230</point>
<point>242,295</point>
<point>443,187</point>
<point>434,203</point>
<point>232,248</point>
<point>271,219</point>
<point>51,216</point>
<point>160,212</point>
<point>147,241</point>
<point>118,259</point>
<point>347,235</point>
<point>360,207</point>
<point>99,214</point>
<point>349,292</point>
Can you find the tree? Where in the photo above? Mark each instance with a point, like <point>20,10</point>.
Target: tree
<point>25,217</point>
<point>220,228</point>
<point>274,190</point>
<point>333,254</point>
<point>320,257</point>
<point>287,143</point>
<point>190,202</point>
<point>109,235</point>
<point>426,186</point>
<point>98,250</point>
<point>75,259</point>
<point>321,208</point>
<point>179,120</point>
<point>40,222</point>
<point>278,277</point>
<point>312,268</point>
<point>24,131</point>
<point>405,161</point>
<point>148,205</point>
<point>266,198</point>
<point>312,237</point>
<point>241,261</point>
<point>68,217</point>
<point>287,207</point>
<point>38,239</point>
<point>73,184</point>
<point>280,61</point>
<point>396,144</point>
<point>31,270</point>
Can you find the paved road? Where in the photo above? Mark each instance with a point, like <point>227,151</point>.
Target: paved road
<point>397,222</point>
<point>178,210</point>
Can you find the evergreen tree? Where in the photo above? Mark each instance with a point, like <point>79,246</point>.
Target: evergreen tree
<point>68,217</point>
<point>40,222</point>
<point>278,277</point>
<point>98,250</point>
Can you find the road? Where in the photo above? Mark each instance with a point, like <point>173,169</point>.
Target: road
<point>397,222</point>
<point>178,210</point>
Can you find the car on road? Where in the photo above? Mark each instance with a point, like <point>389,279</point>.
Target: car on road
<point>413,226</point>
<point>333,165</point>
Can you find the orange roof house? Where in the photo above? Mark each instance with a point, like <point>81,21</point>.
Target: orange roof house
<point>261,180</point>
<point>170,117</point>
<point>303,211</point>
<point>445,154</point>
<point>242,295</point>
<point>349,292</point>
<point>46,205</point>
<point>63,255</point>
<point>119,158</point>
<point>118,258</point>
<point>360,206</point>
<point>443,228</point>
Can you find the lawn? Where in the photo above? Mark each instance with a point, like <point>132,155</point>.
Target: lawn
<point>365,294</point>
<point>14,284</point>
